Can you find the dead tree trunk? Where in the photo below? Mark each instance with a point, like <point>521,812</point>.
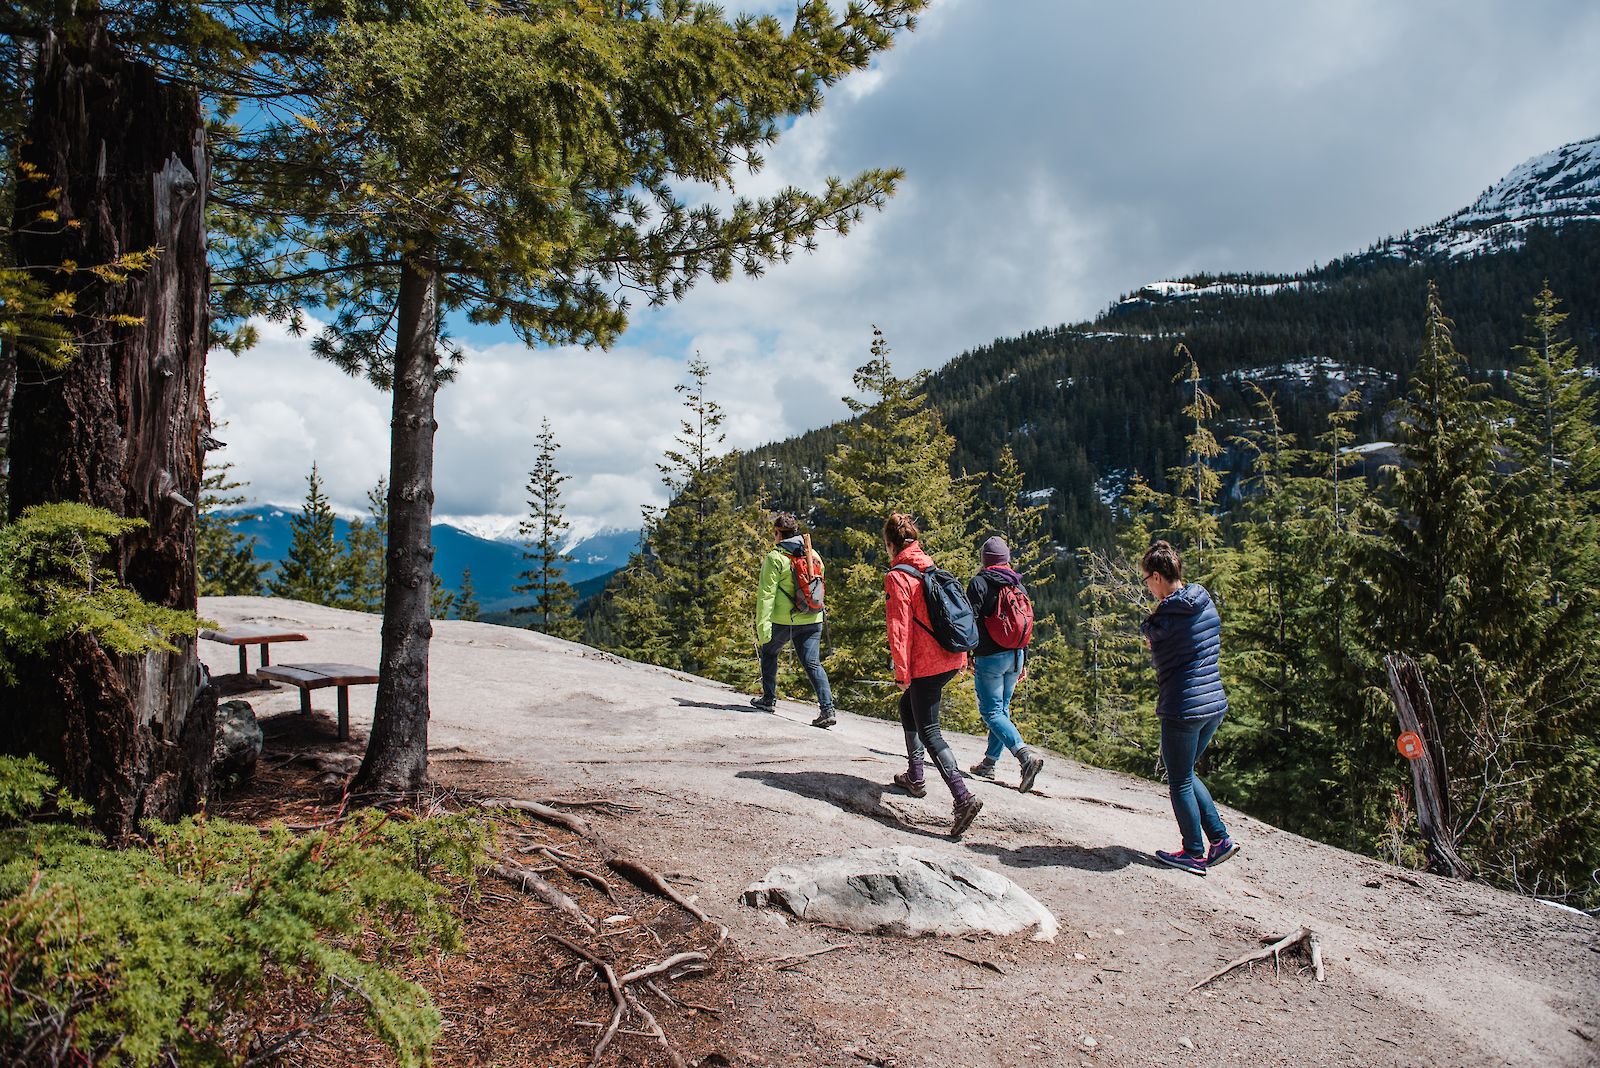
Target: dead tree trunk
<point>396,760</point>
<point>123,162</point>
<point>1414,707</point>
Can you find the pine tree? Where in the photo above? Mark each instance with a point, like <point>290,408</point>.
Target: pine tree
<point>677,585</point>
<point>730,649</point>
<point>543,532</point>
<point>1553,436</point>
<point>524,164</point>
<point>895,457</point>
<point>1196,484</point>
<point>313,567</point>
<point>224,557</point>
<point>1008,513</point>
<point>440,600</point>
<point>1274,753</point>
<point>467,606</point>
<point>1449,583</point>
<point>361,587</point>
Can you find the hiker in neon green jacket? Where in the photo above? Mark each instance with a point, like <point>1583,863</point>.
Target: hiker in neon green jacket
<point>780,621</point>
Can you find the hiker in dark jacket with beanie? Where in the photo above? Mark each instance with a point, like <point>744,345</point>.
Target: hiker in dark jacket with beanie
<point>996,670</point>
<point>921,668</point>
<point>1184,634</point>
<point>781,620</point>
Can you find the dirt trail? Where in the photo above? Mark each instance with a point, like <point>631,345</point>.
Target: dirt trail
<point>1420,970</point>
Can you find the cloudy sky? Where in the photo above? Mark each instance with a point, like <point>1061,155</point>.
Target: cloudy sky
<point>1058,153</point>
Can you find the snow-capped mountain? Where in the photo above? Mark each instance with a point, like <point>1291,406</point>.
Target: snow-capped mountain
<point>461,543</point>
<point>1550,189</point>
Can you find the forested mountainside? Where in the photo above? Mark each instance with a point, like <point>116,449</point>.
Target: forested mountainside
<point>1084,406</point>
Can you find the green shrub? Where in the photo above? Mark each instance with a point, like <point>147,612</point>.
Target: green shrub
<point>53,584</point>
<point>130,956</point>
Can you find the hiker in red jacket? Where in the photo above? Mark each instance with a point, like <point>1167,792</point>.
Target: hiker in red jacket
<point>921,668</point>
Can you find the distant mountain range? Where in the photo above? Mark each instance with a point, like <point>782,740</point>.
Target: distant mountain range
<point>496,563</point>
<point>1084,406</point>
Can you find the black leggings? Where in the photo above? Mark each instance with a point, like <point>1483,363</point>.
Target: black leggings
<point>919,718</point>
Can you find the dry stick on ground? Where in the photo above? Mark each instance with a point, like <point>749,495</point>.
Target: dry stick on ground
<point>635,871</point>
<point>1293,938</point>
<point>531,882</point>
<point>596,802</point>
<point>794,960</point>
<point>991,965</point>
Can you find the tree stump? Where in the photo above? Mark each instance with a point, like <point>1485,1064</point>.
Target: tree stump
<point>1414,705</point>
<point>123,162</point>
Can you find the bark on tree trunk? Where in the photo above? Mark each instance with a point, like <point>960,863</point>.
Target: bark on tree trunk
<point>396,760</point>
<point>1414,709</point>
<point>123,158</point>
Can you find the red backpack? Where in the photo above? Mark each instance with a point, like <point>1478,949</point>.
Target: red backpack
<point>807,572</point>
<point>1011,623</point>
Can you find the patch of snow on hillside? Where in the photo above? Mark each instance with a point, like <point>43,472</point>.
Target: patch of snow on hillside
<point>1110,487</point>
<point>1038,496</point>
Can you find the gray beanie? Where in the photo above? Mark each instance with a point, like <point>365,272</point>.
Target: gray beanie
<point>996,553</point>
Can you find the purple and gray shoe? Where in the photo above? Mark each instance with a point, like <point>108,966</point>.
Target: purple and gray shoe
<point>1221,850</point>
<point>1182,861</point>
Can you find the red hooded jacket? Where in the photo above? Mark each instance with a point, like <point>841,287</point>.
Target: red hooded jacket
<point>911,646</point>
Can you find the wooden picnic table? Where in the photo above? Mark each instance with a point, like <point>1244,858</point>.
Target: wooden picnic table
<point>308,677</point>
<point>245,635</point>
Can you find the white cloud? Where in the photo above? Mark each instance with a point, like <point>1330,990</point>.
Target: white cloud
<point>1058,154</point>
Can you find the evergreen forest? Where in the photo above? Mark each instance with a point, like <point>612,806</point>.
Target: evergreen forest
<point>1383,459</point>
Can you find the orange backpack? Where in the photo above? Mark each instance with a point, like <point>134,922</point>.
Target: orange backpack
<point>807,572</point>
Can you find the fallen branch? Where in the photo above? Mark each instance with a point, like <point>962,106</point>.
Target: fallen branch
<point>531,882</point>
<point>1293,938</point>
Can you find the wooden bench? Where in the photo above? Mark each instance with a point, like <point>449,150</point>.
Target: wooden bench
<point>245,635</point>
<point>308,677</point>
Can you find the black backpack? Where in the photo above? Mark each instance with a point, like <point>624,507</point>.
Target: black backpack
<point>954,626</point>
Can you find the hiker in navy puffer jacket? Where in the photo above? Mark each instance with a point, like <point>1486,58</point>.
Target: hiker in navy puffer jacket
<point>1184,634</point>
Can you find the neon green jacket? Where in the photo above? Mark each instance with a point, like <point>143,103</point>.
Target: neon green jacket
<point>775,592</point>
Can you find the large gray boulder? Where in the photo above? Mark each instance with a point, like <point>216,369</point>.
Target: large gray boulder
<point>903,891</point>
<point>238,744</point>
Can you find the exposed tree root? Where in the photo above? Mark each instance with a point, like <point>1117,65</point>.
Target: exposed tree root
<point>635,871</point>
<point>1296,937</point>
<point>530,881</point>
<point>623,999</point>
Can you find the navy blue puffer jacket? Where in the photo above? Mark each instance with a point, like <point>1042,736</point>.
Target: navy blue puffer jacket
<point>1185,636</point>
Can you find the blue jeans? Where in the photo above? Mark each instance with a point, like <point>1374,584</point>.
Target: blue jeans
<point>807,641</point>
<point>995,677</point>
<point>1182,742</point>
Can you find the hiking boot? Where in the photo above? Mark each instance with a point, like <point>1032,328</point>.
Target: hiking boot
<point>764,704</point>
<point>825,719</point>
<point>1031,766</point>
<point>1221,850</point>
<point>983,769</point>
<point>1182,861</point>
<point>914,787</point>
<point>965,811</point>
